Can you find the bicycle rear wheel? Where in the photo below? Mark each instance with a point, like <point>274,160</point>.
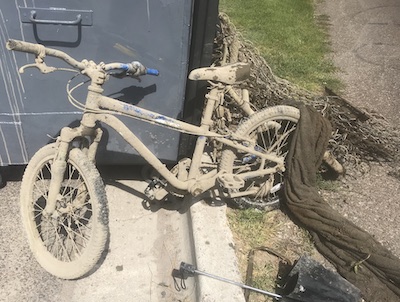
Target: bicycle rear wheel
<point>69,243</point>
<point>271,129</point>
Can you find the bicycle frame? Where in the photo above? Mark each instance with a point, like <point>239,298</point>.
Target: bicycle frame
<point>196,183</point>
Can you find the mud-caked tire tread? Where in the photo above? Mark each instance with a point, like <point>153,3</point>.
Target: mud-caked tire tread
<point>92,252</point>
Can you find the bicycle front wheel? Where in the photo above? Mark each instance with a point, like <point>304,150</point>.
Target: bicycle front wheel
<point>68,243</point>
<point>271,130</point>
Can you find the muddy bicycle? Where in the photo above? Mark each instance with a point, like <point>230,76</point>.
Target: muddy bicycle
<point>63,200</point>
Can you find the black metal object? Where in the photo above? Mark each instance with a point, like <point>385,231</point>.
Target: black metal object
<point>308,281</point>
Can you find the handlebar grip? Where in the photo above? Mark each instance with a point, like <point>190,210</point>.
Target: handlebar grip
<point>152,71</point>
<point>23,46</point>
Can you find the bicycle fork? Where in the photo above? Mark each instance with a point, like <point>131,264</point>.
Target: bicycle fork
<point>59,165</point>
<point>57,175</point>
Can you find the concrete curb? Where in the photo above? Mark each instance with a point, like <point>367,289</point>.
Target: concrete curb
<point>214,253</point>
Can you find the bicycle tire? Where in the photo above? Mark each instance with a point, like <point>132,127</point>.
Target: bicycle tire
<point>69,244</point>
<point>275,140</point>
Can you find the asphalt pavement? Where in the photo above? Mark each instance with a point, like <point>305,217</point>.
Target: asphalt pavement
<point>146,244</point>
<point>365,37</point>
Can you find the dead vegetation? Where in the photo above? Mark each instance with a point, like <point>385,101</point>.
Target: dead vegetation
<point>358,138</point>
<point>358,135</point>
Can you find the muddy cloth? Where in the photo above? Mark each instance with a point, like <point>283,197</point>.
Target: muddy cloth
<point>357,256</point>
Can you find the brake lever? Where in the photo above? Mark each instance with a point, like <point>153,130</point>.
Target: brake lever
<point>39,64</point>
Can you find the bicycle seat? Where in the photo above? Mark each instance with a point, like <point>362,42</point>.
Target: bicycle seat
<point>227,74</point>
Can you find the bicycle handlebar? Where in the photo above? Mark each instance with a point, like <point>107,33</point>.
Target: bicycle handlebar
<point>40,50</point>
<point>130,69</point>
<point>134,69</point>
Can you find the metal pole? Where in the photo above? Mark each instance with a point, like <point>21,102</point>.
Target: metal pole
<point>191,270</point>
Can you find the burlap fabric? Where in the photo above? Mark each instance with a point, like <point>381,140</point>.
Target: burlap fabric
<point>357,256</point>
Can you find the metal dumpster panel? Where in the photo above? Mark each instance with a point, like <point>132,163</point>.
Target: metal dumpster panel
<point>34,106</point>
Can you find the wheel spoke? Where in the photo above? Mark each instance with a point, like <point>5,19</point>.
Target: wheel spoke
<point>63,248</point>
<point>40,208</point>
<point>70,235</point>
<point>43,181</point>
<point>74,189</point>
<point>84,239</point>
<point>270,130</point>
<point>68,181</point>
<point>42,193</point>
<point>84,218</point>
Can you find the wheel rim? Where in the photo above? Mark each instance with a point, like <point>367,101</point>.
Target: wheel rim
<point>65,234</point>
<point>270,137</point>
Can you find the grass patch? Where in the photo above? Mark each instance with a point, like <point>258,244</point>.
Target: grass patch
<point>327,184</point>
<point>251,224</point>
<point>253,229</point>
<point>294,43</point>
<point>288,37</point>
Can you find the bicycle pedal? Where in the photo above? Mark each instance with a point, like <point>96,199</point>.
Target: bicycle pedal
<point>155,185</point>
<point>156,189</point>
<point>231,181</point>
